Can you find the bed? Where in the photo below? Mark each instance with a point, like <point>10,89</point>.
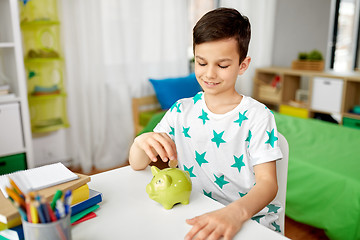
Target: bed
<point>323,188</point>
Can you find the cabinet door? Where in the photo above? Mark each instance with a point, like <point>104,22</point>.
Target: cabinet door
<point>11,138</point>
<point>327,94</point>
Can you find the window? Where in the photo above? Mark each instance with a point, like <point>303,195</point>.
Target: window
<point>344,52</point>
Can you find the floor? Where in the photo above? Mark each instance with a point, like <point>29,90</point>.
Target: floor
<point>293,230</point>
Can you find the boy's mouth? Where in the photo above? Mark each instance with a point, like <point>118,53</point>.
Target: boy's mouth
<point>211,83</point>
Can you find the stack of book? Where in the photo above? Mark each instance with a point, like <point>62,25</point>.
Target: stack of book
<point>5,92</point>
<point>84,200</point>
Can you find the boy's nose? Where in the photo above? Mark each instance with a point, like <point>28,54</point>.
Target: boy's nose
<point>211,73</point>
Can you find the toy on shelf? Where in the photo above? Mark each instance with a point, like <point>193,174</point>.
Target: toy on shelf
<point>169,186</point>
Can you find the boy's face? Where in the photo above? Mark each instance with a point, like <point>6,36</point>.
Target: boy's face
<point>217,65</point>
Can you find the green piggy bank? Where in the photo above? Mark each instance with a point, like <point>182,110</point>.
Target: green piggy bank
<point>169,186</point>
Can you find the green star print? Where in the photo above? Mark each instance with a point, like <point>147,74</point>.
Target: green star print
<point>190,171</point>
<point>238,162</point>
<point>200,158</point>
<point>172,131</point>
<point>242,194</point>
<point>197,97</point>
<point>209,194</point>
<point>277,227</point>
<point>257,218</point>
<point>218,138</point>
<point>186,132</point>
<point>248,139</point>
<point>177,105</point>
<point>173,106</point>
<point>272,138</point>
<point>273,208</point>
<point>220,181</point>
<point>204,116</point>
<point>242,118</point>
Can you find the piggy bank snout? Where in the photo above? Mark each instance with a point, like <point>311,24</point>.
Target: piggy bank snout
<point>149,189</point>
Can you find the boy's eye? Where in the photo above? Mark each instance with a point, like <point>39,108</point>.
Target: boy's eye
<point>202,64</point>
<point>220,66</point>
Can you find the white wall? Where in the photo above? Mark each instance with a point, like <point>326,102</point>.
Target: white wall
<point>300,26</point>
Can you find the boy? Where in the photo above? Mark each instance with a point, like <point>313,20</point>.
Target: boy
<point>226,141</point>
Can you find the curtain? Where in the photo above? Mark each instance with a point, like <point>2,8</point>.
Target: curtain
<point>111,48</point>
<point>261,14</point>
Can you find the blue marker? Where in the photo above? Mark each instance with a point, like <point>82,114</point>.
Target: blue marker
<point>67,201</point>
<point>60,210</point>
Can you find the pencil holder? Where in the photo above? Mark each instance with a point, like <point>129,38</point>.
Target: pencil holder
<point>59,230</point>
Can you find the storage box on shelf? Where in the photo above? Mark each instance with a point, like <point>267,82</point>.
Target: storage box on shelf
<point>38,10</point>
<point>48,112</point>
<point>44,65</point>
<point>15,131</point>
<point>323,92</point>
<point>41,39</point>
<point>12,163</point>
<point>45,76</point>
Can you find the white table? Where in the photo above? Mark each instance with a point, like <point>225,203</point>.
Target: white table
<point>128,213</point>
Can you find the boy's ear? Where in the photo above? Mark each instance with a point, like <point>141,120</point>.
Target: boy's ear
<point>244,65</point>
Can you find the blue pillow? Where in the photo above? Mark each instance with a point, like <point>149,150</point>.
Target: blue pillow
<point>169,90</point>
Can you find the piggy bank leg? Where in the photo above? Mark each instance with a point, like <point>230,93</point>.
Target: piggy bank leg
<point>167,206</point>
<point>185,202</point>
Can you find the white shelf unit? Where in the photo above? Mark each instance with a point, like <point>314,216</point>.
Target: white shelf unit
<point>12,66</point>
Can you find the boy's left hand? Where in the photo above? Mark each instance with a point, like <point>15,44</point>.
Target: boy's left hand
<point>216,224</point>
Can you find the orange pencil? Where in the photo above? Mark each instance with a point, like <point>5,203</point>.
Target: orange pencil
<point>17,189</point>
<point>15,197</point>
<point>28,211</point>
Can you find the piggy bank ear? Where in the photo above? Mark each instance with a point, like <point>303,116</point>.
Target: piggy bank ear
<point>168,180</point>
<point>154,170</point>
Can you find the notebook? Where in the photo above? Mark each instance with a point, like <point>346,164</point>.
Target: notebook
<point>38,178</point>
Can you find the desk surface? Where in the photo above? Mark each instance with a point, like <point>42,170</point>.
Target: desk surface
<point>128,213</point>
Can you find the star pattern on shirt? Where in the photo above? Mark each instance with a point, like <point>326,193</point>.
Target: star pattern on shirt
<point>190,171</point>
<point>272,138</point>
<point>218,138</point>
<point>208,194</point>
<point>220,181</point>
<point>257,218</point>
<point>242,118</point>
<point>173,106</point>
<point>177,106</point>
<point>277,227</point>
<point>248,139</point>
<point>242,194</point>
<point>172,132</point>
<point>204,116</point>
<point>238,162</point>
<point>186,132</point>
<point>269,109</point>
<point>273,208</point>
<point>200,158</point>
<point>197,97</point>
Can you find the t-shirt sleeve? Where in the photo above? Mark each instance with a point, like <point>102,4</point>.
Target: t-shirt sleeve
<point>166,125</point>
<point>264,144</point>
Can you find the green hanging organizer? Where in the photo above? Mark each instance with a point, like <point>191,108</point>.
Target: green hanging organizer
<point>44,65</point>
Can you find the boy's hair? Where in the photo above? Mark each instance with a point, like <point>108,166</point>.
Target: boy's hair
<point>223,23</point>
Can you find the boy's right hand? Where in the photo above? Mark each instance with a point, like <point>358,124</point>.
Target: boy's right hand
<point>154,144</point>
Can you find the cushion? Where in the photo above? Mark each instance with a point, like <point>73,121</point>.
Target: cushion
<point>169,90</point>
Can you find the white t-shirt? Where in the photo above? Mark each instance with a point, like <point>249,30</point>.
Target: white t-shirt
<point>220,150</point>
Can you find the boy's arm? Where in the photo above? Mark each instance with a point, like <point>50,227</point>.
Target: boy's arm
<point>147,146</point>
<point>226,222</point>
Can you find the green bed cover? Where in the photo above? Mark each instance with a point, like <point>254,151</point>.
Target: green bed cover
<point>323,188</point>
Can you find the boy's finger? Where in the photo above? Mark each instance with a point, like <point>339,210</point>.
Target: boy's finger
<point>158,147</point>
<point>168,145</point>
<point>150,153</point>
